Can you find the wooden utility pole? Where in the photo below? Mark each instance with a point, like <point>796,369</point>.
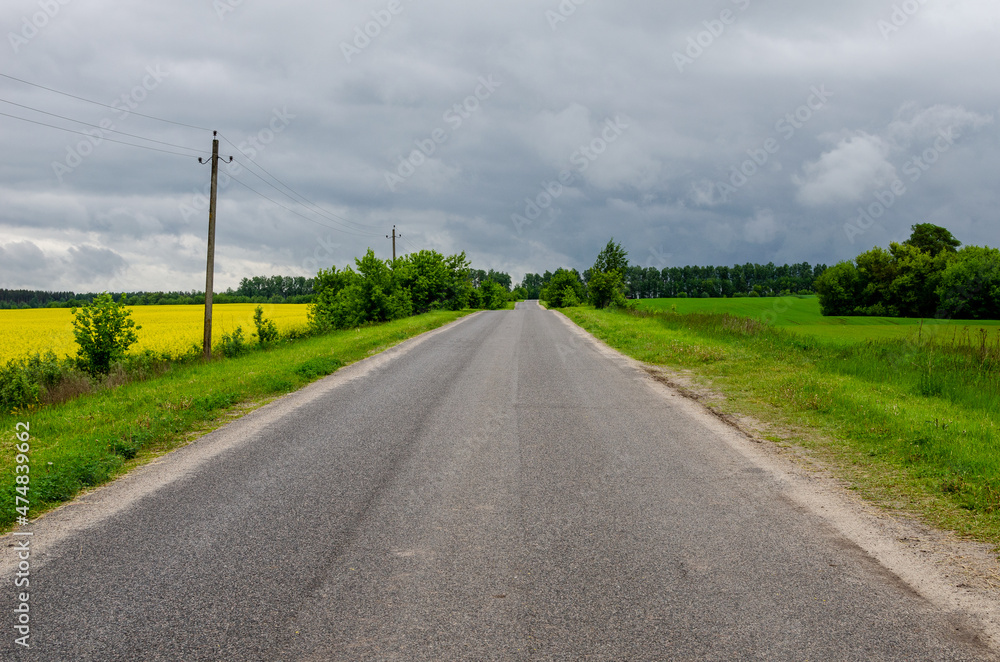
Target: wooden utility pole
<point>210,269</point>
<point>394,235</point>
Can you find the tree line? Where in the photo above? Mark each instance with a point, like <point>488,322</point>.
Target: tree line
<point>258,289</point>
<point>376,290</point>
<point>748,279</point>
<point>925,276</point>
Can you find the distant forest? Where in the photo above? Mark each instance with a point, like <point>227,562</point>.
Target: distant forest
<point>749,279</point>
<point>259,289</point>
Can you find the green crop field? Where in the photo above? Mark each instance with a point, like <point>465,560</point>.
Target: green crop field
<point>801,315</point>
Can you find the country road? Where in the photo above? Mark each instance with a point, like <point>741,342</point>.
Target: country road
<point>500,489</point>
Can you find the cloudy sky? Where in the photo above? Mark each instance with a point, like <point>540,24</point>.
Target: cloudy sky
<point>525,132</point>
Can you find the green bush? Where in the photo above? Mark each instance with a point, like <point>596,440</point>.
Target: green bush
<point>267,330</point>
<point>104,331</point>
<point>17,390</point>
<point>554,293</point>
<point>233,343</point>
<point>606,288</point>
<point>493,296</point>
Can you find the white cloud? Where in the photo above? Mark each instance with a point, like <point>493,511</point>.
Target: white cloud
<point>916,124</point>
<point>846,173</point>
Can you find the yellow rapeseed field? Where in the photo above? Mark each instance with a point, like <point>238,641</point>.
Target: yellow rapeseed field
<point>172,329</point>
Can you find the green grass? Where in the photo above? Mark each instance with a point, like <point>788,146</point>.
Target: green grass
<point>912,424</point>
<point>91,439</point>
<point>801,314</point>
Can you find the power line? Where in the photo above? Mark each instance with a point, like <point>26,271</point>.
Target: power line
<point>359,227</point>
<point>410,243</point>
<point>98,103</point>
<point>291,192</point>
<point>97,126</point>
<point>81,133</point>
<point>290,210</point>
<point>342,228</point>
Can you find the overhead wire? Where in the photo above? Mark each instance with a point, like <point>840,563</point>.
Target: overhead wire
<point>304,201</point>
<point>288,209</point>
<point>98,103</point>
<point>339,226</point>
<point>409,242</point>
<point>82,133</point>
<point>97,126</point>
<point>351,227</point>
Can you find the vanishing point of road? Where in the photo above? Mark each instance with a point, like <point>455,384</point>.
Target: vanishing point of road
<point>500,489</point>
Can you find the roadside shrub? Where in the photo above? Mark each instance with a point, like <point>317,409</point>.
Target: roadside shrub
<point>493,295</point>
<point>606,289</point>
<point>554,292</point>
<point>569,299</point>
<point>104,331</point>
<point>233,344</point>
<point>17,390</point>
<point>267,330</point>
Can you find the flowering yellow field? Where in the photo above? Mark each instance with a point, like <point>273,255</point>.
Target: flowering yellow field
<point>170,329</point>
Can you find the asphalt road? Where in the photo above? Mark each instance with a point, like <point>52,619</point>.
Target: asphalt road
<point>499,490</point>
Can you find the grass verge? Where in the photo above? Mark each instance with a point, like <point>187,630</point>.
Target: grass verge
<point>92,439</point>
<point>911,424</point>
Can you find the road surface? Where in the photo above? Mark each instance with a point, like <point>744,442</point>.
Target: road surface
<point>500,489</point>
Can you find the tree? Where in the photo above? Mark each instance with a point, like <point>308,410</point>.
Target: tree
<point>612,258</point>
<point>328,310</point>
<point>839,289</point>
<point>427,276</point>
<point>104,331</point>
<point>932,239</point>
<point>562,283</point>
<point>913,291</point>
<point>493,295</point>
<point>606,289</point>
<point>970,285</point>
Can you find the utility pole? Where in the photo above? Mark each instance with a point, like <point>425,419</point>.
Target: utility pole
<point>210,269</point>
<point>394,235</point>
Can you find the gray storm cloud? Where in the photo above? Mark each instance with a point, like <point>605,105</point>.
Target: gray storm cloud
<point>731,157</point>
